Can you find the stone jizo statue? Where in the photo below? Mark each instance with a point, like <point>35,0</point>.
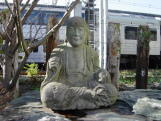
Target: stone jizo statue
<point>73,78</point>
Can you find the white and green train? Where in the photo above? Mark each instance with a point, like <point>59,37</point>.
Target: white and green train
<point>129,22</point>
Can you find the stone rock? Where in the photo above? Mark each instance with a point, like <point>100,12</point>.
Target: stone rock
<point>122,108</point>
<point>131,97</point>
<point>159,87</point>
<point>125,87</point>
<point>148,107</point>
<point>111,116</point>
<point>28,108</point>
<point>154,85</point>
<point>145,102</point>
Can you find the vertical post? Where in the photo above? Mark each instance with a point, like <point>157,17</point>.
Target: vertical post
<point>114,48</point>
<point>103,27</point>
<point>101,34</point>
<point>51,42</point>
<point>105,32</point>
<point>142,61</point>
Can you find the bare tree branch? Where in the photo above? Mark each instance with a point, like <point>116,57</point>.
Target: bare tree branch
<point>11,23</point>
<point>1,60</point>
<point>57,26</point>
<point>19,28</point>
<point>5,35</point>
<point>2,35</point>
<point>37,31</point>
<point>34,3</point>
<point>9,7</point>
<point>20,1</point>
<point>25,5</point>
<point>54,29</point>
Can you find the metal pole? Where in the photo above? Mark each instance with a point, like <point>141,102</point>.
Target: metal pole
<point>100,33</point>
<point>105,5</point>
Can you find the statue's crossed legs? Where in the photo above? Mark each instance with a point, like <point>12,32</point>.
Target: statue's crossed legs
<point>59,96</point>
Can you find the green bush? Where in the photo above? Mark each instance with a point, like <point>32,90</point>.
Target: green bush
<point>128,76</point>
<point>31,69</point>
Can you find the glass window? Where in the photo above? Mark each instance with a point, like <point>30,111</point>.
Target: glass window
<point>41,17</point>
<point>33,18</point>
<point>131,33</point>
<point>153,36</point>
<point>35,50</point>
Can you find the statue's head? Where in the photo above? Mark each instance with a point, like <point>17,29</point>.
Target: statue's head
<point>77,31</point>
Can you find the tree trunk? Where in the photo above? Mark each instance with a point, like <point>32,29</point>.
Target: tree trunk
<point>51,42</point>
<point>114,48</point>
<point>142,61</point>
<point>10,67</point>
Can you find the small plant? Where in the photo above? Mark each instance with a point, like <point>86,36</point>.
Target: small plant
<point>128,76</point>
<point>31,69</point>
<point>36,88</point>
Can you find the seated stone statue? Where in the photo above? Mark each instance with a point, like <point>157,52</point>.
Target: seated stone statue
<point>73,78</point>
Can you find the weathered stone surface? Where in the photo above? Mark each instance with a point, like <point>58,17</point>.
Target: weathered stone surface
<point>159,87</point>
<point>29,108</point>
<point>131,97</point>
<point>146,102</point>
<point>111,116</point>
<point>74,79</point>
<point>150,108</point>
<point>125,87</point>
<point>154,85</point>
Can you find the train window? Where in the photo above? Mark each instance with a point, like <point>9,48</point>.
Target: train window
<point>131,33</point>
<point>153,36</point>
<point>35,50</point>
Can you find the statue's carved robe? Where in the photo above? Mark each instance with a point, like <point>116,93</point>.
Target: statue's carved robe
<point>72,80</point>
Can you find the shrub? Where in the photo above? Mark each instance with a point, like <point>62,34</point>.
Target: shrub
<point>31,69</point>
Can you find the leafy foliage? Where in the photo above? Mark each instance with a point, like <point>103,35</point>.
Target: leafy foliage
<point>31,69</point>
<point>128,76</point>
<point>154,76</point>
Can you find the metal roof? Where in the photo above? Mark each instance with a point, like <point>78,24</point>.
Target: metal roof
<point>111,11</point>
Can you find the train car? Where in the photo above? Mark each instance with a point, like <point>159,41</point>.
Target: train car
<point>129,22</point>
<point>128,33</point>
<point>128,30</point>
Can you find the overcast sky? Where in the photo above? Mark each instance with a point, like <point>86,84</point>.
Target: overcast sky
<point>144,6</point>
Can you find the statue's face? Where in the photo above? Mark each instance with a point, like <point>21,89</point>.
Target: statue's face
<point>76,35</point>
